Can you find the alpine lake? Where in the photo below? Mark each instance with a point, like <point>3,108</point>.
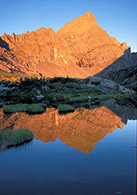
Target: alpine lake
<point>85,152</point>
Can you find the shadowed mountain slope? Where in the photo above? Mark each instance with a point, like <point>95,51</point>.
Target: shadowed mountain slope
<point>123,70</point>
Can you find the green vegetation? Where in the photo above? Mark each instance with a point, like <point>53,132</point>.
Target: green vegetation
<point>14,108</point>
<point>32,108</point>
<point>65,108</point>
<point>35,108</point>
<point>11,138</point>
<point>33,95</point>
<point>115,95</point>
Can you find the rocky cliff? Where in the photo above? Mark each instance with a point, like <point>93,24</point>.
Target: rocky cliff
<point>123,70</point>
<point>79,49</point>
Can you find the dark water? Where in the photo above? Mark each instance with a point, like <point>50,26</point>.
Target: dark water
<point>109,168</point>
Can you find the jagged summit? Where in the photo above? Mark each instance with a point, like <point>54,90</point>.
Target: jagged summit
<point>89,17</point>
<point>79,49</point>
<point>80,24</point>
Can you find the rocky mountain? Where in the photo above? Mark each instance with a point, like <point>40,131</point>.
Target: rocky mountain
<point>123,70</point>
<point>79,49</point>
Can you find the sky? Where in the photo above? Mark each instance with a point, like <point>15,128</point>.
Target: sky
<point>117,17</point>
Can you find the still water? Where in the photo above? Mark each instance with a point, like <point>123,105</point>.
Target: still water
<point>87,152</point>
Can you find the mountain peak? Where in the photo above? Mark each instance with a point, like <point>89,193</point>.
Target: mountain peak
<point>80,24</point>
<point>89,15</point>
<point>79,49</point>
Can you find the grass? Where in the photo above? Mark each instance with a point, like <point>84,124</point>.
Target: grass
<point>35,108</point>
<point>65,108</point>
<point>22,97</point>
<point>13,138</point>
<point>15,108</point>
<point>112,95</point>
<point>75,99</point>
<point>29,108</point>
<point>81,98</point>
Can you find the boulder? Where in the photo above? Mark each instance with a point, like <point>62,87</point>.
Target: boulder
<point>39,97</point>
<point>108,85</point>
<point>38,92</point>
<point>94,80</point>
<point>46,88</point>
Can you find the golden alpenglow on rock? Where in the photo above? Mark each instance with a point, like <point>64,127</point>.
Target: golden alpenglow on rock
<point>79,49</point>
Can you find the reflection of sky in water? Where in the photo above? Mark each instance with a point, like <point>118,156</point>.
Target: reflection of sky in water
<point>55,168</point>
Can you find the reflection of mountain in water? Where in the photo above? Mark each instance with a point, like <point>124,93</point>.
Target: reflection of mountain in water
<point>81,129</point>
<point>122,108</point>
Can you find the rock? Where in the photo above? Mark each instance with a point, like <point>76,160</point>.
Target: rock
<point>94,80</point>
<point>132,86</point>
<point>79,49</point>
<point>46,88</point>
<point>124,108</point>
<point>39,97</point>
<point>4,88</point>
<point>133,101</point>
<point>108,85</point>
<point>127,54</point>
<point>108,102</point>
<point>125,90</point>
<point>122,70</point>
<point>3,145</point>
<point>89,98</point>
<point>38,92</point>
<point>2,85</point>
<point>2,103</point>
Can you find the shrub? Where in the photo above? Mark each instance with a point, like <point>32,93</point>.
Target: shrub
<point>85,81</point>
<point>72,85</point>
<point>57,98</point>
<point>15,108</point>
<point>82,98</point>
<point>35,108</point>
<point>65,108</point>
<point>43,105</point>
<point>30,108</point>
<point>63,80</point>
<point>90,88</point>
<point>14,138</point>
<point>56,85</point>
<point>29,83</point>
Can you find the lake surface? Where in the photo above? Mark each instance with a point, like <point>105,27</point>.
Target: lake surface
<point>88,152</point>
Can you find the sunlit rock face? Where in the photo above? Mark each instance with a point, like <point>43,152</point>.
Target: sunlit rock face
<point>79,49</point>
<point>81,129</point>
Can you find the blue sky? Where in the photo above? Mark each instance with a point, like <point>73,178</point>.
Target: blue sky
<point>117,17</point>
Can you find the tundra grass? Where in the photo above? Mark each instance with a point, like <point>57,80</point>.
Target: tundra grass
<point>14,138</point>
<point>30,108</point>
<point>65,108</point>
